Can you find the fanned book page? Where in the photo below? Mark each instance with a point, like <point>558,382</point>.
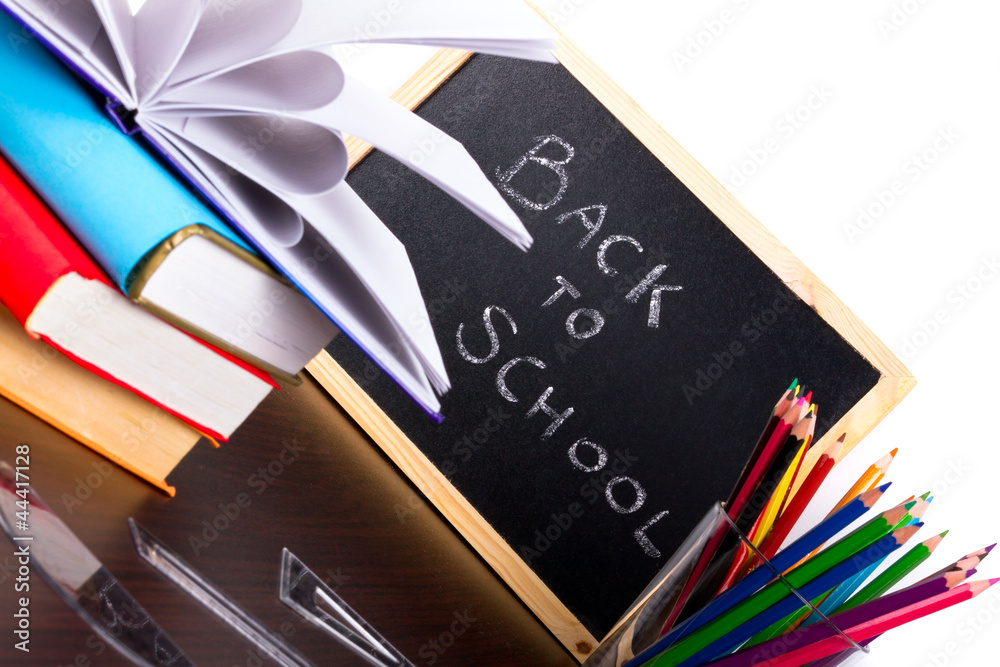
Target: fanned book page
<point>248,102</point>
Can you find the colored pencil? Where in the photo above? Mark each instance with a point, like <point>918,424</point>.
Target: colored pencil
<point>966,563</point>
<point>870,478</point>
<point>758,515</point>
<point>786,401</point>
<point>793,512</point>
<point>894,573</point>
<point>827,603</point>
<point>809,649</point>
<point>742,511</point>
<point>784,560</point>
<point>781,407</point>
<point>734,604</point>
<point>803,433</point>
<point>833,602</point>
<point>763,609</point>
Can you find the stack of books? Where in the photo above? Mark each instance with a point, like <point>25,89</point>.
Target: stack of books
<point>174,220</point>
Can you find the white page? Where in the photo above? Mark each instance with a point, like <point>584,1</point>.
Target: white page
<point>381,262</point>
<point>334,283</point>
<point>77,33</point>
<point>235,32</point>
<point>356,110</point>
<point>163,29</point>
<point>280,154</point>
<point>502,27</point>
<point>297,81</point>
<point>116,15</point>
<point>366,245</point>
<point>149,355</point>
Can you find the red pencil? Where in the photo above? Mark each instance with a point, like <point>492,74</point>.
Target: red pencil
<point>798,504</point>
<point>835,643</point>
<point>774,445</point>
<point>787,400</point>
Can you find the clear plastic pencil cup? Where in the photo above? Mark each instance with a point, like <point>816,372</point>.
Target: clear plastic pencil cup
<point>687,578</point>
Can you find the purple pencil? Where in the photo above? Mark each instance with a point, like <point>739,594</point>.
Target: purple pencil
<point>848,619</point>
<point>970,561</point>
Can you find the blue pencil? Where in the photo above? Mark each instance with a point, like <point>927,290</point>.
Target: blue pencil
<point>831,579</point>
<point>848,588</point>
<point>763,575</point>
<point>842,592</point>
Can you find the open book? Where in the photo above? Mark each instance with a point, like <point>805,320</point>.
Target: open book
<point>248,102</point>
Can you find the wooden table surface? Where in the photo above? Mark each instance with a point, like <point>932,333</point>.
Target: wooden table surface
<point>336,502</point>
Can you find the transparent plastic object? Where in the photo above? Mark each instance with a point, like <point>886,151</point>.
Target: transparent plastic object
<point>75,574</point>
<point>640,627</point>
<point>312,599</point>
<point>174,568</point>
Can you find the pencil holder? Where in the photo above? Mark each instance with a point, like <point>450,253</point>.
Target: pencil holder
<point>672,587</point>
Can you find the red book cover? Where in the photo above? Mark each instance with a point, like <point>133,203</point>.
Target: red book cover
<point>36,251</point>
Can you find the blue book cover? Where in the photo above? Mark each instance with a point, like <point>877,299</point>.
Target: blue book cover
<point>117,199</point>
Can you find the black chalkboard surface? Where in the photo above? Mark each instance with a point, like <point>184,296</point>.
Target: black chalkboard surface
<point>609,384</point>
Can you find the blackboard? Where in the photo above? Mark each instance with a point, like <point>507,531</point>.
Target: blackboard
<point>651,343</point>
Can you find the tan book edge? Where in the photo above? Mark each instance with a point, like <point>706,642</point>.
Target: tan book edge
<point>111,420</point>
<point>895,383</point>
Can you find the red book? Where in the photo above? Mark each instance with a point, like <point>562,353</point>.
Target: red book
<point>59,295</point>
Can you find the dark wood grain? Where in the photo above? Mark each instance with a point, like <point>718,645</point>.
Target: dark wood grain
<point>339,505</point>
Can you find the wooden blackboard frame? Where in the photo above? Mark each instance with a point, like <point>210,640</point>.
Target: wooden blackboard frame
<point>895,382</point>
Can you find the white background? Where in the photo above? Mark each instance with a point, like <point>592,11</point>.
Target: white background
<point>894,77</point>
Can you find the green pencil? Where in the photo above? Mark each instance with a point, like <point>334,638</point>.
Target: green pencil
<point>802,574</point>
<point>915,507</point>
<point>894,573</point>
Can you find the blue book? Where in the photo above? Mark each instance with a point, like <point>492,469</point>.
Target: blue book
<point>156,240</point>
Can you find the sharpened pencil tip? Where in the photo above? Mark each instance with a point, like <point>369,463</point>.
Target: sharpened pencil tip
<point>993,581</point>
<point>884,487</point>
<point>971,572</point>
<point>926,496</point>
<point>894,452</point>
<point>843,436</point>
<point>990,548</point>
<point>942,535</point>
